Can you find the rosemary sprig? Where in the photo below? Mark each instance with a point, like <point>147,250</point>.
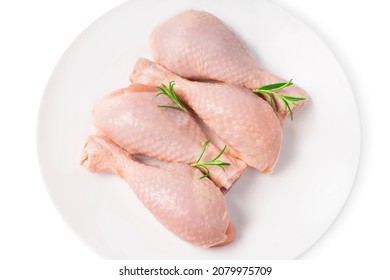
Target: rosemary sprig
<point>214,161</point>
<point>170,92</point>
<point>271,91</point>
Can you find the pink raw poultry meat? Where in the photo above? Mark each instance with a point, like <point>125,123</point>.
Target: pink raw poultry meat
<point>193,209</point>
<point>246,123</point>
<point>198,45</point>
<point>134,121</point>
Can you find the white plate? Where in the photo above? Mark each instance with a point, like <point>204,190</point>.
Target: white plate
<point>276,217</point>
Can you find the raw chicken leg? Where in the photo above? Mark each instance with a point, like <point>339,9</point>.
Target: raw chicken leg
<point>193,209</point>
<point>134,122</point>
<point>246,123</point>
<point>198,45</point>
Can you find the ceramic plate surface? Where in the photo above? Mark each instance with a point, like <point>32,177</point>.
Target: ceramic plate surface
<point>278,216</point>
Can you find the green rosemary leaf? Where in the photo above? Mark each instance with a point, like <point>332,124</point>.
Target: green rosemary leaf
<point>171,94</point>
<point>277,86</point>
<point>271,91</point>
<point>214,161</point>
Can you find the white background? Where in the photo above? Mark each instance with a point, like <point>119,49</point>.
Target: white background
<point>34,34</point>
